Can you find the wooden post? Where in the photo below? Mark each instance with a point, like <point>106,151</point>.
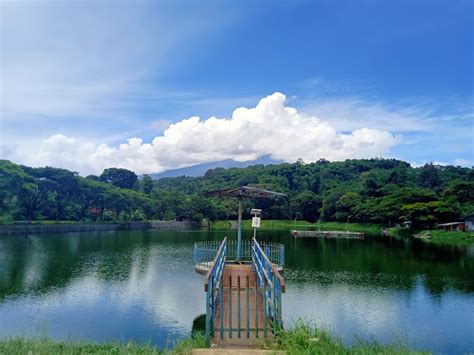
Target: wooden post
<point>238,306</point>
<point>222,309</point>
<point>230,307</point>
<point>256,309</point>
<point>239,230</point>
<point>248,306</point>
<point>264,308</point>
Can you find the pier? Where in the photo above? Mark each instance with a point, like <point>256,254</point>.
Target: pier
<point>243,298</point>
<point>243,283</point>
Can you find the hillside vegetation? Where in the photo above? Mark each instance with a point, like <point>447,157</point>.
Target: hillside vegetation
<point>382,191</point>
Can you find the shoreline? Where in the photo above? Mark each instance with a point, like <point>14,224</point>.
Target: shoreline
<point>302,338</point>
<point>44,227</point>
<point>38,228</point>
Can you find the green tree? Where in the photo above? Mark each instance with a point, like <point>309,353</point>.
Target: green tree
<point>33,196</point>
<point>122,178</point>
<point>12,179</point>
<point>430,176</point>
<point>88,196</point>
<point>347,207</point>
<point>308,204</point>
<point>146,184</point>
<point>329,207</point>
<point>116,201</point>
<point>460,196</point>
<point>422,214</point>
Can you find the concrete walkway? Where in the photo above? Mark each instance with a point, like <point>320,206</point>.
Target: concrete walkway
<point>237,352</point>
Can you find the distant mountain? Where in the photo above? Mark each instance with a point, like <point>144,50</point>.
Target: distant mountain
<point>200,169</point>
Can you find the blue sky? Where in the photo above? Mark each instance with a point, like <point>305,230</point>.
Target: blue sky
<point>87,85</point>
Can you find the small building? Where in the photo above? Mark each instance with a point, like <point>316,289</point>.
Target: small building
<point>452,226</point>
<point>469,223</point>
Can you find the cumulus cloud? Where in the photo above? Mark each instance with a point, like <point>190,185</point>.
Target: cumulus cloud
<point>269,129</point>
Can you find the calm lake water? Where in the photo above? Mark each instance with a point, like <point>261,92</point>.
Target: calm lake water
<point>141,286</point>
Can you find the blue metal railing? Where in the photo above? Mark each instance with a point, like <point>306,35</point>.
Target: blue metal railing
<point>205,252</point>
<point>270,283</point>
<point>213,287</point>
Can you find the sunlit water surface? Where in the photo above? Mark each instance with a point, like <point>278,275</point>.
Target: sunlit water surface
<point>141,286</point>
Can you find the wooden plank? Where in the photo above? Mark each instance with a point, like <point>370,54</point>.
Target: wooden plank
<point>251,308</point>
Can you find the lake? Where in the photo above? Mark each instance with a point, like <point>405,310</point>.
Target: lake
<point>141,286</point>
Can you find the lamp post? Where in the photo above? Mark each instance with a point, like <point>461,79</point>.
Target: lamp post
<point>255,220</point>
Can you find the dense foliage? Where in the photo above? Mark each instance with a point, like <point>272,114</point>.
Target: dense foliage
<point>385,191</point>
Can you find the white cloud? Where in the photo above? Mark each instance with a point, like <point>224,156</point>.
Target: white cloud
<point>351,113</point>
<point>271,128</point>
<point>463,162</point>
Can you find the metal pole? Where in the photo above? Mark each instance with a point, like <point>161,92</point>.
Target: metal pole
<point>239,230</point>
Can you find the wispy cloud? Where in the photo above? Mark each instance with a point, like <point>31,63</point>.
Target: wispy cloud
<point>92,59</point>
<point>348,113</point>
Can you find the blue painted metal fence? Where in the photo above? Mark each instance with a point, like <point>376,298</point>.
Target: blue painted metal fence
<point>205,252</point>
<point>213,286</point>
<point>265,290</point>
<point>271,284</point>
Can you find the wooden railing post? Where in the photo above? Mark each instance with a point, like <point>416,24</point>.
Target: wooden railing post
<point>248,306</point>
<point>256,309</point>
<point>221,312</point>
<point>230,307</point>
<point>238,306</point>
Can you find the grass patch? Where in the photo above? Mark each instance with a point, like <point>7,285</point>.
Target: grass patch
<point>443,237</point>
<point>302,338</point>
<point>305,338</point>
<point>368,229</point>
<point>435,236</point>
<point>185,346</point>
<point>47,347</point>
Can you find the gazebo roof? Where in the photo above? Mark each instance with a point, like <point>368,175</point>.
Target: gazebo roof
<point>245,192</point>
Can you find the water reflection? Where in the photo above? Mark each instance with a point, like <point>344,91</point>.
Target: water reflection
<point>141,286</point>
<point>80,287</point>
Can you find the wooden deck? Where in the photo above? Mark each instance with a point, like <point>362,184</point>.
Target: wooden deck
<point>240,296</point>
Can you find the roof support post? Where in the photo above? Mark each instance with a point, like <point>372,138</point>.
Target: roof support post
<point>239,231</point>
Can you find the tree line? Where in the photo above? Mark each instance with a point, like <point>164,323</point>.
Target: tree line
<point>385,191</point>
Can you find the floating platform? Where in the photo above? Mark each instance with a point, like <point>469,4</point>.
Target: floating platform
<point>327,234</point>
<point>204,267</point>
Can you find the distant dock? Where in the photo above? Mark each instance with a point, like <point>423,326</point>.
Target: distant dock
<point>326,234</point>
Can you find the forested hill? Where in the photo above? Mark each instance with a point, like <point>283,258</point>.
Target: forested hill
<point>382,191</point>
